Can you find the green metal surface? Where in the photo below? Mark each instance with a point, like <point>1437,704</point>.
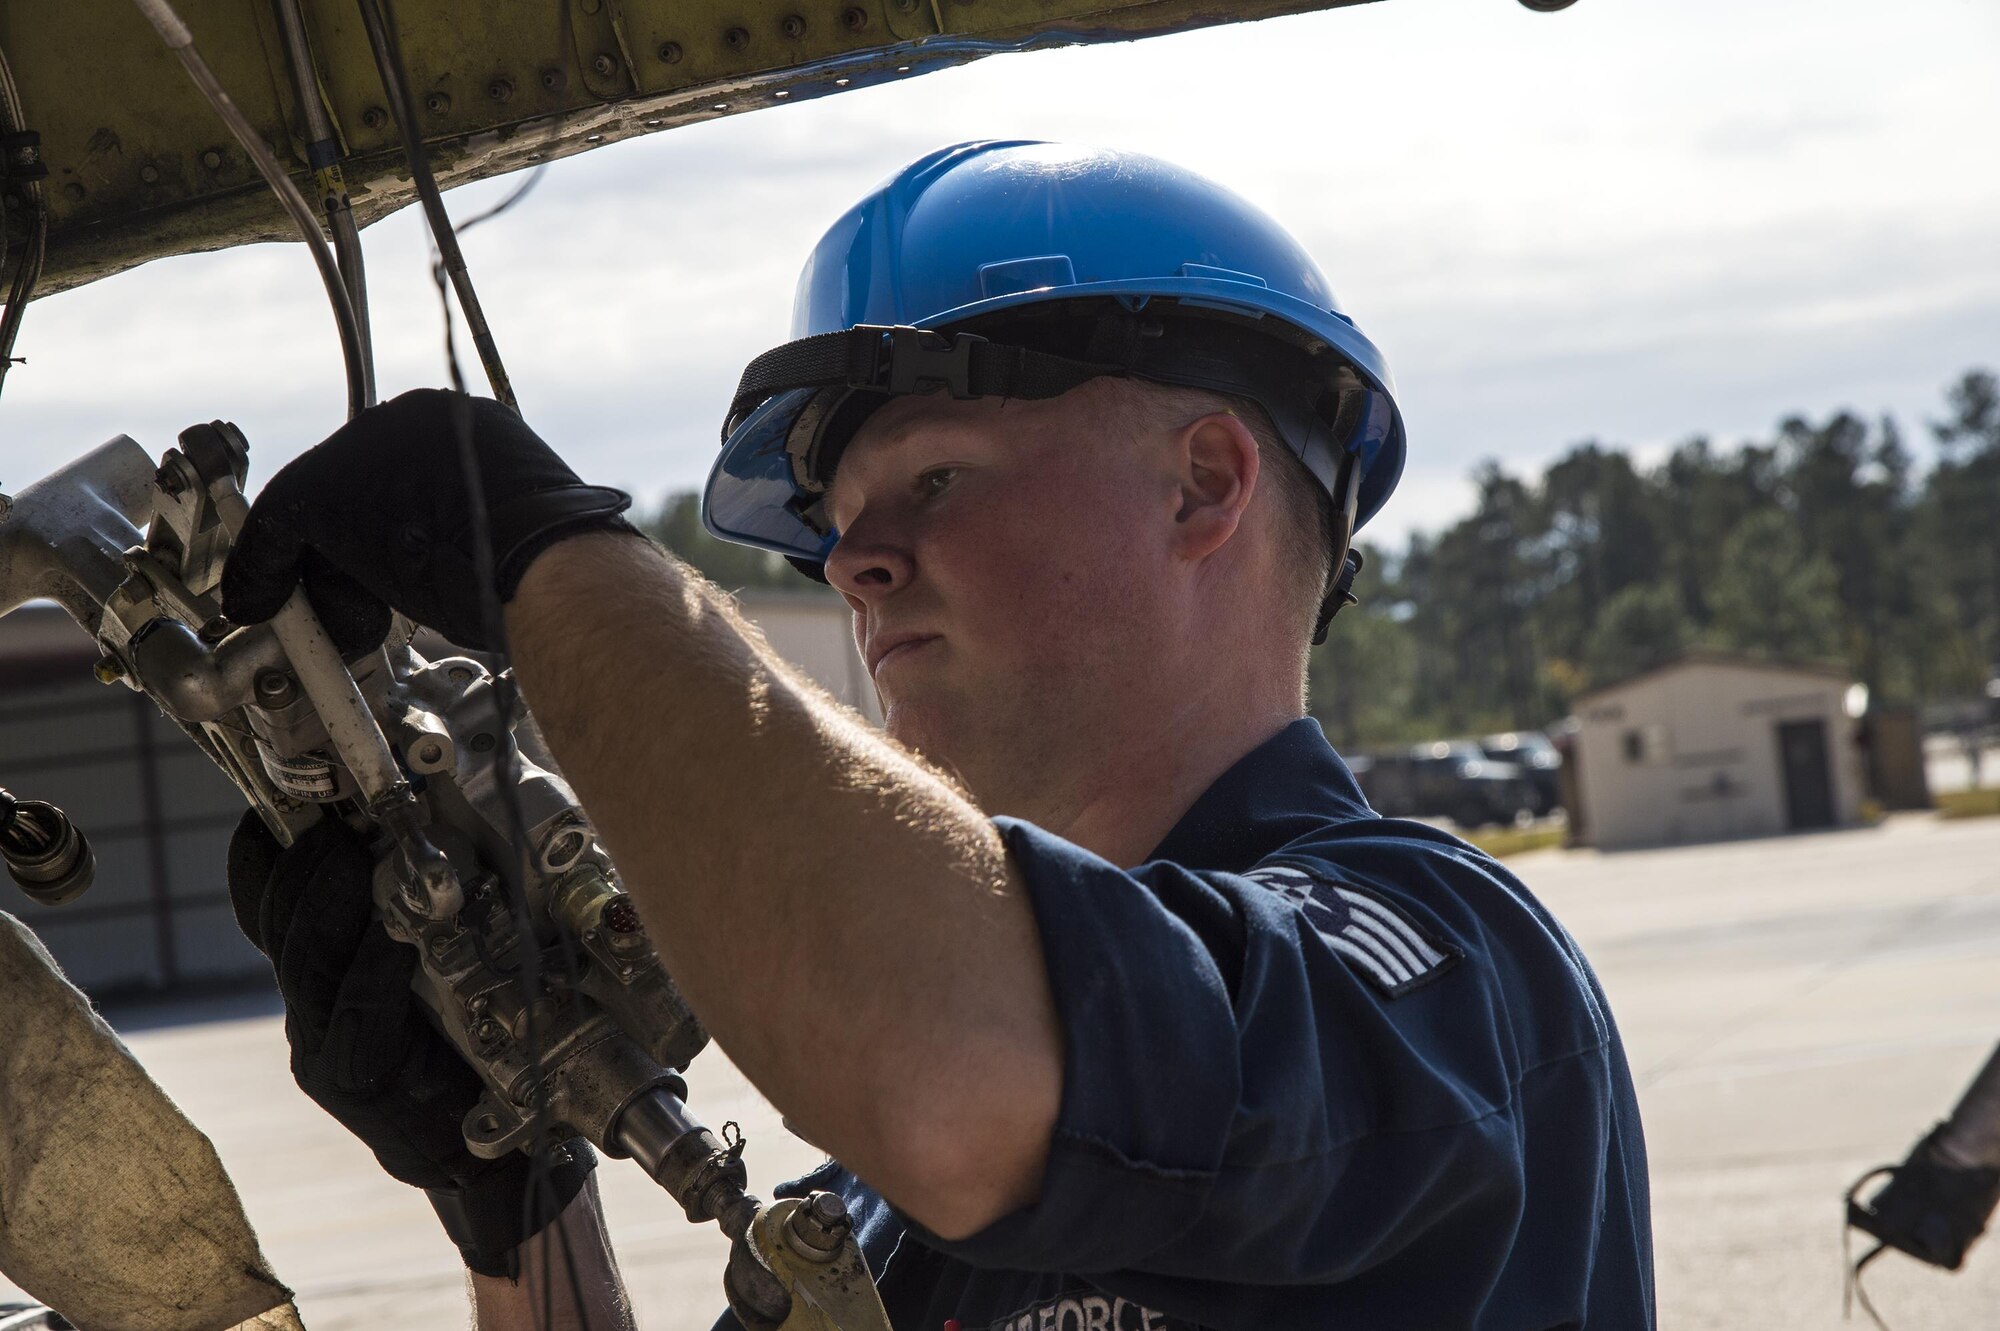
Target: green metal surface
<point>140,168</point>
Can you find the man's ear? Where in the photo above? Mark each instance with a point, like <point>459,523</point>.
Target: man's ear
<point>1218,462</point>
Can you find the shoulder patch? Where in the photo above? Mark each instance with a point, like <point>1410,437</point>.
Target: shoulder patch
<point>1392,951</point>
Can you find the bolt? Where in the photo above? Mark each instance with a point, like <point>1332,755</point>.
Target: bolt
<point>437,103</point>
<point>854,18</point>
<point>150,174</point>
<point>482,743</point>
<point>738,38</point>
<point>109,669</point>
<point>172,484</point>
<point>430,752</point>
<point>820,1225</point>
<point>374,117</point>
<point>794,26</point>
<point>459,674</point>
<point>488,1032</point>
<point>274,687</point>
<point>73,192</point>
<point>554,80</point>
<point>670,53</point>
<point>604,64</point>
<point>438,944</point>
<point>500,90</point>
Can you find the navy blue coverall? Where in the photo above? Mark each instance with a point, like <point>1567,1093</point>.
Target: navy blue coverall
<point>1323,1070</point>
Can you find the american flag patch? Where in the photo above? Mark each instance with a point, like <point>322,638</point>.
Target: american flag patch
<point>1380,941</point>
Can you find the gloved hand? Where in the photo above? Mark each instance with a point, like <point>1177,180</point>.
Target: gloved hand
<point>362,1048</point>
<point>377,518</point>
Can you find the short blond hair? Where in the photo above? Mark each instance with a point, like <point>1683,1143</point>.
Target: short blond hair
<point>1305,513</point>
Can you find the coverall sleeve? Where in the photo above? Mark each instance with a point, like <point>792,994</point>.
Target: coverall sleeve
<point>1246,1100</point>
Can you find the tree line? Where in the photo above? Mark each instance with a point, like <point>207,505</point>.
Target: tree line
<point>1825,541</point>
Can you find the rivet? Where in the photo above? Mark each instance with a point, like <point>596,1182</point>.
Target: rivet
<point>670,53</point>
<point>854,18</point>
<point>150,174</point>
<point>794,26</point>
<point>604,64</point>
<point>738,38</point>
<point>374,118</point>
<point>437,103</point>
<point>554,80</point>
<point>212,159</point>
<point>500,90</point>
<point>73,192</point>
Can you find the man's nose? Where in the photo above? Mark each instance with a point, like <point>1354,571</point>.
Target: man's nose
<point>868,562</point>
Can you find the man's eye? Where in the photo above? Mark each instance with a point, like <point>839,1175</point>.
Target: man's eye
<point>936,481</point>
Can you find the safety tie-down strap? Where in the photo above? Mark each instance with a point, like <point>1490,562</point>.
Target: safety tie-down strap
<point>114,1209</point>
<point>908,360</point>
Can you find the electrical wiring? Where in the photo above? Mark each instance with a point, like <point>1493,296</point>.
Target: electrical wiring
<point>28,270</point>
<point>378,17</point>
<point>322,155</point>
<point>177,37</point>
<point>380,24</point>
<point>450,269</point>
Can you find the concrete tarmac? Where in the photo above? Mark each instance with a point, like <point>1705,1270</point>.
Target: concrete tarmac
<point>1797,1010</point>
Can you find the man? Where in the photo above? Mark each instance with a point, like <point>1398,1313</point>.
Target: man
<point>1115,1004</point>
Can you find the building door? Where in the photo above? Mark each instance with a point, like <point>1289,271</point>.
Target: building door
<point>1808,779</point>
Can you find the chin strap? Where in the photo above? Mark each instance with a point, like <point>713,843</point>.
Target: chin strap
<point>1340,595</point>
<point>1347,563</point>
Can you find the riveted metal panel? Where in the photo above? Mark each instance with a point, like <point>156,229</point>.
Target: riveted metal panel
<point>140,168</point>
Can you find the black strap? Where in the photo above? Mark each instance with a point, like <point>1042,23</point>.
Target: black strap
<point>908,360</point>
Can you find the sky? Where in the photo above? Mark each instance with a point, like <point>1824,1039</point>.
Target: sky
<point>1632,221</point>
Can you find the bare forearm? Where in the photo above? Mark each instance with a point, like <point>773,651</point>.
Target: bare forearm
<point>845,923</point>
<point>568,1269</point>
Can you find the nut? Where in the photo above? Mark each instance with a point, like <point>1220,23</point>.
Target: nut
<point>274,687</point>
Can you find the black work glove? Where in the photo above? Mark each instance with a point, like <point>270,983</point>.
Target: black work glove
<point>362,1047</point>
<point>377,517</point>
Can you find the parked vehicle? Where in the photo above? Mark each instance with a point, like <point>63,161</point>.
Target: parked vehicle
<point>1447,779</point>
<point>1539,760</point>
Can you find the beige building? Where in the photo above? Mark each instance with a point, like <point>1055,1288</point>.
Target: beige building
<point>158,814</point>
<point>1711,747</point>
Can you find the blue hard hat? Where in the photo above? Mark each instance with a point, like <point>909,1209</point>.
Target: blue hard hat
<point>1021,269</point>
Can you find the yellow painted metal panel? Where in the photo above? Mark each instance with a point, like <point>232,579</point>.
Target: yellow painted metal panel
<point>140,168</point>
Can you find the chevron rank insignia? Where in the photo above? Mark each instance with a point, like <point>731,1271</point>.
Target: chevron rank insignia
<point>1391,950</point>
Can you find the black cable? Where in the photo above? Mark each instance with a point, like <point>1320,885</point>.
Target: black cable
<point>160,13</point>
<point>29,270</point>
<point>379,19</point>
